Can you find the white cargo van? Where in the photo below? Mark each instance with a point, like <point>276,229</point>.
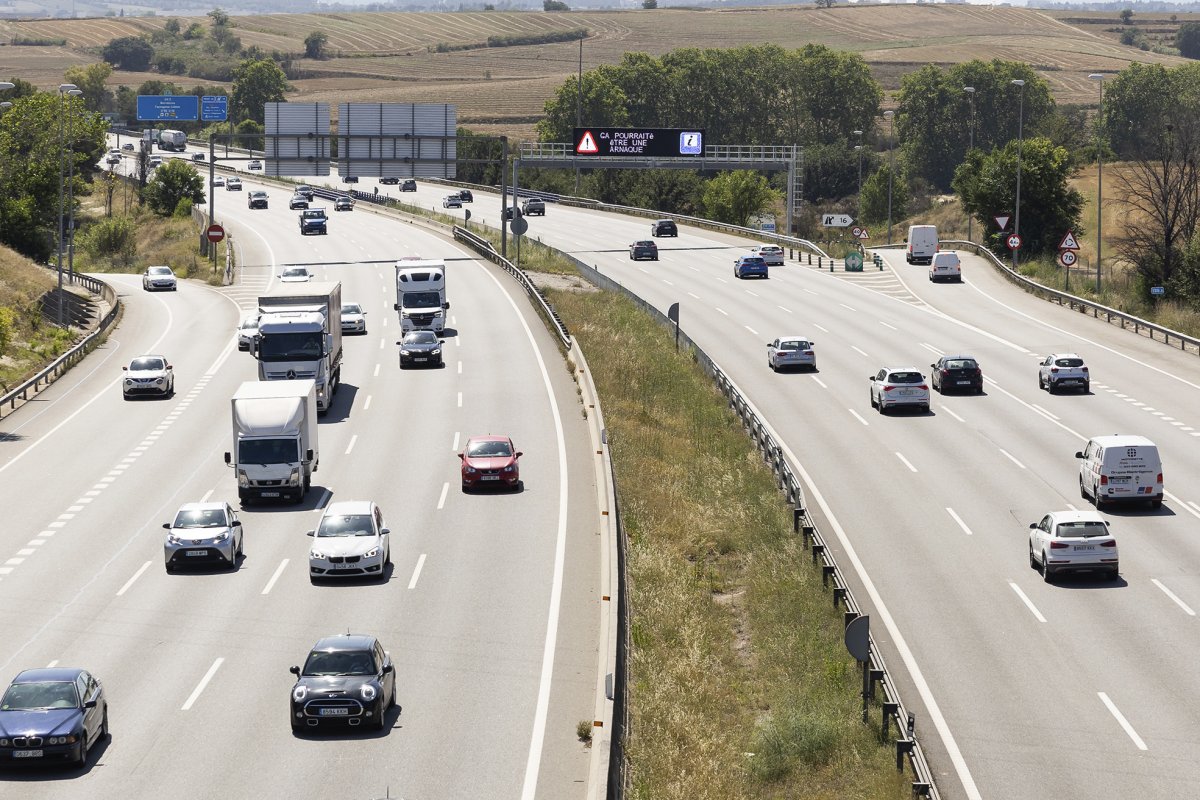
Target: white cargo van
<point>922,244</point>
<point>1120,467</point>
<point>945,266</point>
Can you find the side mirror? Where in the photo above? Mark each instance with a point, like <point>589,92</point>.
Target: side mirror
<point>364,313</point>
<point>462,455</point>
<point>89,704</point>
<point>229,458</point>
<point>387,668</point>
<point>308,455</point>
<point>1079,454</point>
<point>870,377</point>
<point>446,305</point>
<point>395,306</point>
<point>519,454</point>
<point>237,523</point>
<point>441,341</point>
<point>294,671</point>
<point>1032,525</point>
<point>310,533</point>
<point>769,344</point>
<point>385,531</point>
<point>933,366</point>
<point>167,525</point>
<point>124,369</point>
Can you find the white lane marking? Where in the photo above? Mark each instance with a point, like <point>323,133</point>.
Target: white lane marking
<point>848,308</point>
<point>52,664</point>
<point>26,551</point>
<point>66,516</point>
<point>275,576</point>
<point>5,570</point>
<point>752,294</point>
<point>325,495</point>
<point>75,507</point>
<point>667,282</point>
<point>136,575</point>
<point>1028,603</point>
<point>859,350</point>
<point>376,374</point>
<point>723,311</point>
<point>1195,512</point>
<point>695,296</point>
<point>784,310</point>
<point>220,361</point>
<point>722,280</point>
<point>36,543</point>
<point>367,404</point>
<point>818,327</point>
<point>385,322</point>
<point>1044,412</point>
<point>1186,608</point>
<point>412,583</point>
<point>460,368</point>
<point>819,382</point>
<point>905,462</point>
<point>931,349</point>
<point>857,416</point>
<point>207,495</point>
<point>442,498</point>
<point>958,519</point>
<point>1191,503</point>
<point>747,327</point>
<point>460,399</point>
<point>381,343</point>
<point>454,447</point>
<point>1124,723</point>
<point>884,324</point>
<point>951,413</point>
<point>1009,456</point>
<point>1071,507</point>
<point>353,441</point>
<point>208,676</point>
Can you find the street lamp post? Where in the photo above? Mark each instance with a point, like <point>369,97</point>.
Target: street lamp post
<point>1096,76</point>
<point>970,90</point>
<point>63,88</point>
<point>71,184</point>
<point>1020,144</point>
<point>889,116</point>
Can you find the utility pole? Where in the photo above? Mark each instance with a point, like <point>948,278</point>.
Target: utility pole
<point>578,108</point>
<point>970,90</point>
<point>890,116</point>
<point>1096,76</point>
<point>1020,144</point>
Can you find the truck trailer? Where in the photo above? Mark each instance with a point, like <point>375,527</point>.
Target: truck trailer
<point>300,336</point>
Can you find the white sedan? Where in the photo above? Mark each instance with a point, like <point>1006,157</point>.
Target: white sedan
<point>791,351</point>
<point>351,540</point>
<point>155,278</point>
<point>295,275</point>
<point>1069,541</point>
<point>770,253</point>
<point>354,319</point>
<point>899,386</point>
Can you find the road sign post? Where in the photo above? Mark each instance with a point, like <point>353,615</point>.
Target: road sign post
<point>214,233</point>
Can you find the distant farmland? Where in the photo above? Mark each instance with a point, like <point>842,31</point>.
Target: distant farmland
<point>391,57</point>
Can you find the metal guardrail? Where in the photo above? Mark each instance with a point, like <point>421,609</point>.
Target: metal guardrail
<point>908,748</point>
<point>56,368</point>
<point>1073,302</point>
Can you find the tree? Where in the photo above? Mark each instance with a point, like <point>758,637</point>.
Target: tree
<point>194,31</point>
<point>314,44</point>
<point>172,27</point>
<point>1187,39</point>
<point>603,102</point>
<point>987,184</point>
<point>873,203</point>
<point>131,53</point>
<point>174,181</point>
<point>734,197</point>
<point>554,5</point>
<point>256,83</point>
<point>220,19</point>
<point>825,3</point>
<point>1142,100</point>
<point>92,80</point>
<point>649,4</point>
<point>1126,16</point>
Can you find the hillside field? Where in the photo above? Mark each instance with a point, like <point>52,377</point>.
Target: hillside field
<point>391,56</point>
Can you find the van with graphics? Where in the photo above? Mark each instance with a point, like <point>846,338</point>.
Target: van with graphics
<point>1120,467</point>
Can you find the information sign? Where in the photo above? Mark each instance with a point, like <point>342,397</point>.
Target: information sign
<point>648,142</point>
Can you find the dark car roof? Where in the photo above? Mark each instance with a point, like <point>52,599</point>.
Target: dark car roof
<point>345,641</point>
<point>55,674</point>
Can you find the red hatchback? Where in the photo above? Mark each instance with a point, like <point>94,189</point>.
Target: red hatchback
<point>490,461</point>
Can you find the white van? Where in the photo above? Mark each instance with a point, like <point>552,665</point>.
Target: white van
<point>945,266</point>
<point>1120,467</point>
<point>922,244</point>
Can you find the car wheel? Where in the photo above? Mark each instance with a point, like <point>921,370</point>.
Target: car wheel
<point>1032,561</point>
<point>104,734</point>
<point>1087,387</point>
<point>466,489</point>
<point>925,408</point>
<point>241,551</point>
<point>1097,498</point>
<point>1082,491</point>
<point>1047,575</point>
<point>1114,574</point>
<point>871,397</point>
<point>81,762</point>
<point>1041,383</point>
<point>387,557</point>
<point>1050,386</point>
<point>774,367</point>
<point>1156,503</point>
<point>380,722</point>
<point>882,408</point>
<point>392,703</point>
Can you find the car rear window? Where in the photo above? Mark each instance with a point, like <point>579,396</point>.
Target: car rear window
<point>962,363</point>
<point>752,260</point>
<point>1068,362</point>
<point>1065,530</point>
<point>905,377</point>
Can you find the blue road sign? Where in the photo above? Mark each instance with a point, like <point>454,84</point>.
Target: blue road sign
<point>1156,290</point>
<point>168,108</point>
<point>214,108</point>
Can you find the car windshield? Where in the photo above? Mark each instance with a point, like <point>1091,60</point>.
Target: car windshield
<point>200,518</point>
<point>40,695</point>
<point>292,346</point>
<point>160,271</point>
<point>295,273</point>
<point>249,323</point>
<point>346,525</point>
<point>961,363</point>
<point>422,300</point>
<point>268,451</point>
<point>1068,362</point>
<point>140,364</point>
<point>489,449</point>
<point>1081,528</point>
<point>904,377</point>
<point>351,308</point>
<point>420,337</point>
<point>354,662</point>
<point>257,195</point>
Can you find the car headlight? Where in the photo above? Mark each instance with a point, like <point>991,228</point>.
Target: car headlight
<point>3,742</point>
<point>294,478</point>
<point>173,539</point>
<point>368,692</point>
<point>405,352</point>
<point>374,551</point>
<point>509,468</point>
<point>317,554</point>
<point>469,470</point>
<point>221,536</point>
<point>243,479</point>
<point>129,382</point>
<point>437,351</point>
<point>158,380</point>
<point>299,693</point>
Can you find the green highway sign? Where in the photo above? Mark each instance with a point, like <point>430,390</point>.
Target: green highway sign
<point>854,262</point>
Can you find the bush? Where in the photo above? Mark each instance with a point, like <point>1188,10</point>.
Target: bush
<point>791,739</point>
<point>111,239</point>
<point>7,320</point>
<point>183,209</point>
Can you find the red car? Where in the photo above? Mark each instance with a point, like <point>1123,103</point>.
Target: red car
<point>490,461</point>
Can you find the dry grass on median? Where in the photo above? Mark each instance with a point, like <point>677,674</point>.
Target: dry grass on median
<point>740,685</point>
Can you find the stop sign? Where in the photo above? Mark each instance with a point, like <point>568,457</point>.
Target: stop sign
<point>215,233</point>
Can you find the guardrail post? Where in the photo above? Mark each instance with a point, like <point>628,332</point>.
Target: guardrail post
<point>920,789</point>
<point>809,259</point>
<point>826,571</point>
<point>817,551</point>
<point>807,532</point>
<point>839,593</point>
<point>820,263</point>
<point>903,748</point>
<point>890,709</point>
<point>797,514</point>
<point>876,677</point>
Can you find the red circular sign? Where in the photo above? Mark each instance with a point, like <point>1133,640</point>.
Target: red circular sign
<point>215,233</point>
<point>1013,242</point>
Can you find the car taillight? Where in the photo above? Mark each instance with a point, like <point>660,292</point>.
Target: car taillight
<point>1104,480</point>
<point>945,372</point>
<point>1159,477</point>
<point>1109,543</point>
<point>1059,545</point>
<point>979,372</point>
<point>924,387</point>
<point>1054,369</point>
<point>1084,369</point>
<point>809,353</point>
<point>887,388</point>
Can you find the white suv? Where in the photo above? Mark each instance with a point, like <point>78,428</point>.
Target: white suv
<point>351,540</point>
<point>899,386</point>
<point>771,253</point>
<point>1059,370</point>
<point>1067,541</point>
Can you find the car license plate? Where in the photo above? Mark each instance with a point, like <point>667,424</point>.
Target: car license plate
<point>489,477</point>
<point>196,553</point>
<point>1084,547</point>
<point>345,566</point>
<point>335,712</point>
<point>27,754</point>
<point>964,383</point>
<point>270,494</point>
<point>907,392</point>
<point>420,358</point>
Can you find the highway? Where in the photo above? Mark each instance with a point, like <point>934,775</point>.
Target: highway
<point>1078,689</point>
<point>490,610</point>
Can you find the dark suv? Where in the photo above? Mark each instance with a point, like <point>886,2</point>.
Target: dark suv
<point>307,191</point>
<point>389,181</point>
<point>956,373</point>
<point>408,186</point>
<point>466,196</point>
<point>347,679</point>
<point>663,227</point>
<point>533,207</point>
<point>643,249</point>
<point>313,220</point>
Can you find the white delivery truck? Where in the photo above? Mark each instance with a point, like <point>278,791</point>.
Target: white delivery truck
<point>274,439</point>
<point>421,295</point>
<point>300,336</point>
<point>172,140</point>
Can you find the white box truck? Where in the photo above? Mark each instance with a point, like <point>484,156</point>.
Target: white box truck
<point>275,448</point>
<point>421,295</point>
<point>300,336</point>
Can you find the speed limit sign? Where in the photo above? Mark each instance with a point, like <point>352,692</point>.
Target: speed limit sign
<point>856,232</point>
<point>1013,241</point>
<point>1067,258</point>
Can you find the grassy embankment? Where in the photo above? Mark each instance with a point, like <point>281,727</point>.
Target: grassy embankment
<point>27,341</point>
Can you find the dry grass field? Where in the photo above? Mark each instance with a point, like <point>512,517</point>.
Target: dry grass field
<point>388,57</point>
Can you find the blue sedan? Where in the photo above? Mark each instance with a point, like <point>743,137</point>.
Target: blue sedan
<point>52,715</point>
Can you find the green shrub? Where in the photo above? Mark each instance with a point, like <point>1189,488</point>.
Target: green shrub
<point>183,209</point>
<point>112,238</point>
<point>7,319</point>
<point>794,738</point>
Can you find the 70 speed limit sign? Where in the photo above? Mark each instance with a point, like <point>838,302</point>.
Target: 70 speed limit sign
<point>1067,258</point>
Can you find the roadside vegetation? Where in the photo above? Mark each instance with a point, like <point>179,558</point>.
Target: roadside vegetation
<point>27,340</point>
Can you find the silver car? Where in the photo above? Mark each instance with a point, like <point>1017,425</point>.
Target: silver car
<point>1073,541</point>
<point>247,331</point>
<point>791,351</point>
<point>350,541</point>
<point>892,387</point>
<point>451,201</point>
<point>203,534</point>
<point>354,319</point>
<point>770,253</point>
<point>155,278</point>
<point>1062,370</point>
<point>148,375</point>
